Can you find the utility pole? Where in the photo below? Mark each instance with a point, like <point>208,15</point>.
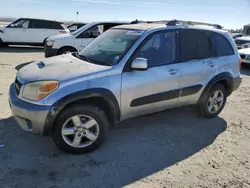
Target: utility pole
<point>77,16</point>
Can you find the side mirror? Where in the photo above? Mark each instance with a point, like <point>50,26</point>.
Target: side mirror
<point>140,64</point>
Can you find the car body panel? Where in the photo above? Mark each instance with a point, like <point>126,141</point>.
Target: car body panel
<point>137,92</point>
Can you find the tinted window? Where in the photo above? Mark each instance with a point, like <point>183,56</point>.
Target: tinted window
<point>221,45</point>
<point>195,44</point>
<point>159,49</point>
<point>42,24</point>
<point>20,24</point>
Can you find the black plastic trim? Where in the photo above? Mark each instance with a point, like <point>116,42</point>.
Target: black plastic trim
<point>155,98</point>
<point>49,51</point>
<point>166,95</point>
<point>190,90</point>
<point>105,94</point>
<point>220,77</point>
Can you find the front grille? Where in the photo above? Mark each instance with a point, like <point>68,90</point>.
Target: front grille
<point>241,42</point>
<point>243,56</point>
<point>18,86</point>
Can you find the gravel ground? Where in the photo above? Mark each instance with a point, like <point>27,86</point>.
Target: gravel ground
<point>175,148</point>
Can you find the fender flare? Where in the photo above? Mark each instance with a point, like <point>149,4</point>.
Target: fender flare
<point>222,76</point>
<point>103,93</point>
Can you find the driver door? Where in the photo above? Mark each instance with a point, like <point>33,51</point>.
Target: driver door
<point>157,88</point>
<point>17,32</point>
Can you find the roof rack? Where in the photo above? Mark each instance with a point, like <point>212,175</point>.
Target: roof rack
<point>137,22</point>
<point>181,22</point>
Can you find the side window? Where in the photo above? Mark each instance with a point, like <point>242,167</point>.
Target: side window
<point>20,24</point>
<point>195,44</point>
<point>73,28</point>
<point>160,49</point>
<point>222,45</point>
<point>92,32</point>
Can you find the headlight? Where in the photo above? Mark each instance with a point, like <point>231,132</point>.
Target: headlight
<point>38,90</point>
<point>50,43</point>
<point>247,45</point>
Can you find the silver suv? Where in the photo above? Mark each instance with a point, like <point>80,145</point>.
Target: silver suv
<point>128,71</point>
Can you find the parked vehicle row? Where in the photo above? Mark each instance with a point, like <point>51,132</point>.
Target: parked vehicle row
<point>72,42</point>
<point>128,71</point>
<point>27,31</point>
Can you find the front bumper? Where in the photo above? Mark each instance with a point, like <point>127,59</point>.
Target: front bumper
<point>30,117</point>
<point>49,51</point>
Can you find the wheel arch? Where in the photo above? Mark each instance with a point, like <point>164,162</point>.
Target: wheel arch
<point>63,47</point>
<point>226,79</point>
<point>101,97</point>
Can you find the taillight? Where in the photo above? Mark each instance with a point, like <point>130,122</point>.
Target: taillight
<point>63,32</point>
<point>240,63</point>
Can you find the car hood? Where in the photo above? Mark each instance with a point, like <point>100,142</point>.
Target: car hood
<point>58,68</point>
<point>246,38</point>
<point>62,36</point>
<point>245,51</point>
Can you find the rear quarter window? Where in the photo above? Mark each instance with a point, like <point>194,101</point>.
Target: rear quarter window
<point>42,24</point>
<point>221,45</point>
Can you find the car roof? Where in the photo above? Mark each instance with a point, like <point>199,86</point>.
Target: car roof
<point>35,19</point>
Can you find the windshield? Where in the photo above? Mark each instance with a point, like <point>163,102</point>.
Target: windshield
<point>111,46</point>
<point>80,30</point>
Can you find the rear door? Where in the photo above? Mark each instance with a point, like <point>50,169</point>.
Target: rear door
<point>43,29</point>
<point>197,63</point>
<point>17,32</point>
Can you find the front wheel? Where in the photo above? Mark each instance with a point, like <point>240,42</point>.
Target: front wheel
<point>214,102</point>
<point>80,129</point>
<point>66,50</point>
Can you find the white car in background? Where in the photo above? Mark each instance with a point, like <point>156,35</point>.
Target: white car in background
<point>245,55</point>
<point>27,31</point>
<point>243,42</point>
<point>78,39</point>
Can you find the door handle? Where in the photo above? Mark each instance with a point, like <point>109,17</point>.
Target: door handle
<point>173,71</point>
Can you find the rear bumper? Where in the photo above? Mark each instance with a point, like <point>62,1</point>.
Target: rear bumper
<point>30,117</point>
<point>49,51</point>
<point>236,83</point>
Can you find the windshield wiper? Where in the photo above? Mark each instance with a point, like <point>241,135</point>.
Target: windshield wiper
<point>83,57</point>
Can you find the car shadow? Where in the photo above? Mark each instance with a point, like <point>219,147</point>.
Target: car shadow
<point>245,70</point>
<point>21,49</point>
<point>135,149</point>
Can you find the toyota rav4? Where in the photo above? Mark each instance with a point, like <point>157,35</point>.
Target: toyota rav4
<point>128,71</point>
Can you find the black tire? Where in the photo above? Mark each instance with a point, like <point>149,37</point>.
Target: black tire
<point>92,111</point>
<point>203,106</point>
<point>65,50</point>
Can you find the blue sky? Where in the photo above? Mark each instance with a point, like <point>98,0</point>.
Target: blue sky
<point>229,13</point>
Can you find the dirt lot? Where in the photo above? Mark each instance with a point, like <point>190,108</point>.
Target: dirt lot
<point>176,148</point>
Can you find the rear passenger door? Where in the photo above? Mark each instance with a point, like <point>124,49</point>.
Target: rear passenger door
<point>197,63</point>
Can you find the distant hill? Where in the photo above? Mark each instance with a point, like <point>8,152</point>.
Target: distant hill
<point>7,19</point>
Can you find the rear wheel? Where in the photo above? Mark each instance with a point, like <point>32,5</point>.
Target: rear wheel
<point>66,50</point>
<point>80,129</point>
<point>214,102</point>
